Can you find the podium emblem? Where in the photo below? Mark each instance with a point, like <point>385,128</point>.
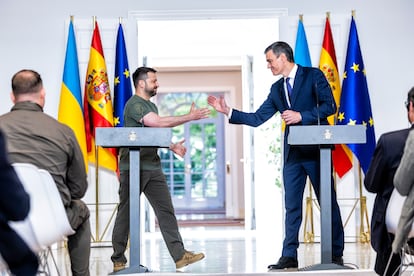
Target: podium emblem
<point>328,134</point>
<point>132,136</point>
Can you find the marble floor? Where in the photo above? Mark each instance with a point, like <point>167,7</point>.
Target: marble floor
<point>228,250</point>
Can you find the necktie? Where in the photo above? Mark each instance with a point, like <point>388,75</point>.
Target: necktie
<point>288,86</point>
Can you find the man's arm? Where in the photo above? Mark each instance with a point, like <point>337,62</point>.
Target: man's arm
<point>152,119</point>
<point>14,200</point>
<point>404,176</point>
<point>76,174</point>
<point>374,177</point>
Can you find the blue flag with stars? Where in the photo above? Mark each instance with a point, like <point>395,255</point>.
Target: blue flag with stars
<point>355,105</point>
<point>122,82</point>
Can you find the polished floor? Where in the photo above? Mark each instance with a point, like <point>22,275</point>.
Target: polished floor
<point>228,250</point>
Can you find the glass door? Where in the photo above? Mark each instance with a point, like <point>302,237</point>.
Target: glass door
<point>196,181</point>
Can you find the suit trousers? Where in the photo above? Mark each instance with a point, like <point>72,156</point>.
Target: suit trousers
<point>154,186</point>
<point>79,244</point>
<point>294,178</point>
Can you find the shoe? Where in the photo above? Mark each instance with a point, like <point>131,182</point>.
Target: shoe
<point>188,258</point>
<point>338,260</point>
<point>118,266</point>
<point>284,263</point>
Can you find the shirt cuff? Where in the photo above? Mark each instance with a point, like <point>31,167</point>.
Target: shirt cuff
<point>230,112</point>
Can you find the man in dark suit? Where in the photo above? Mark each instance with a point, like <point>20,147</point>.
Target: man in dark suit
<point>303,97</point>
<point>14,206</point>
<point>379,180</point>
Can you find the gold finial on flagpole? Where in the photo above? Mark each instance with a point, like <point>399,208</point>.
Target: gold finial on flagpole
<point>71,18</point>
<point>328,15</point>
<point>353,13</point>
<point>301,17</point>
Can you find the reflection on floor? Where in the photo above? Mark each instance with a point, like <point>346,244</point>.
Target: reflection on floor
<point>228,249</point>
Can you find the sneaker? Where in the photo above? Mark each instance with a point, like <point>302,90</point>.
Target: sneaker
<point>338,260</point>
<point>284,263</point>
<point>118,266</point>
<point>188,258</point>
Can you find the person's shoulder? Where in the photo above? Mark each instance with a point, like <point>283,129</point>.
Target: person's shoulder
<point>308,69</point>
<point>393,133</point>
<point>400,134</point>
<point>278,82</point>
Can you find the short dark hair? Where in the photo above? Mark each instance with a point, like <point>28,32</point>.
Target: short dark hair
<point>410,98</point>
<point>26,82</point>
<point>141,74</point>
<point>281,47</point>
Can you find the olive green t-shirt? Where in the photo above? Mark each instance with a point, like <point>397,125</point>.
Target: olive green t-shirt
<point>135,109</point>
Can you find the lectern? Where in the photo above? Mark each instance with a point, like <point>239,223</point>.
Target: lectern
<point>133,138</point>
<point>326,136</point>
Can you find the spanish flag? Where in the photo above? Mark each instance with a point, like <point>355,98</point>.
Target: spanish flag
<point>341,156</point>
<point>98,104</point>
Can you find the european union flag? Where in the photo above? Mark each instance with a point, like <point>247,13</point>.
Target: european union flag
<point>122,82</point>
<point>355,105</point>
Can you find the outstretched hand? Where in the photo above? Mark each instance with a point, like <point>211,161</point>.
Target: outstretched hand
<point>199,113</point>
<point>178,148</point>
<point>218,104</point>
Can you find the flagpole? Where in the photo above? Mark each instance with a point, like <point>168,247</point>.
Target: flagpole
<point>364,236</point>
<point>308,235</point>
<point>97,238</point>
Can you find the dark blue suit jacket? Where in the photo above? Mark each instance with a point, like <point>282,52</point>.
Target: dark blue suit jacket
<point>14,206</point>
<point>380,180</point>
<point>311,96</point>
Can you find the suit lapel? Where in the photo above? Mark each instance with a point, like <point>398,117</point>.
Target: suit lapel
<point>296,85</point>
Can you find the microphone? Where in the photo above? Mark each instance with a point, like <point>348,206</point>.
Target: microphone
<point>315,91</point>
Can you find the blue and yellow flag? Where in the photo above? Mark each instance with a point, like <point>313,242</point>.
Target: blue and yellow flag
<point>122,81</point>
<point>302,55</point>
<point>355,104</point>
<point>70,105</point>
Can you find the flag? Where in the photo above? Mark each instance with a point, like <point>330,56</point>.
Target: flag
<point>122,80</point>
<point>329,66</point>
<point>98,104</point>
<point>70,104</point>
<point>302,55</point>
<point>355,104</point>
<point>341,155</point>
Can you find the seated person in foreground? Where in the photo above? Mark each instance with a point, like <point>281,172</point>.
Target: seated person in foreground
<point>14,206</point>
<point>37,138</point>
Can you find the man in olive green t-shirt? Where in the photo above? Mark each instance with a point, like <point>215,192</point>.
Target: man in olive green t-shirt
<point>139,111</point>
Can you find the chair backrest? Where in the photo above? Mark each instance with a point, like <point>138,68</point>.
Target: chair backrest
<point>47,222</point>
<point>393,213</point>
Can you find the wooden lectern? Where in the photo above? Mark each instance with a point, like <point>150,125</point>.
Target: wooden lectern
<point>326,136</point>
<point>133,138</point>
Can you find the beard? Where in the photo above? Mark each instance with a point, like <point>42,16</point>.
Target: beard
<point>151,92</point>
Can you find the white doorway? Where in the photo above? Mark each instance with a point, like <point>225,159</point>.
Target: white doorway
<point>212,42</point>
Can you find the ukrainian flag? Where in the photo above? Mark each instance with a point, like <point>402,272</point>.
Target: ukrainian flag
<point>70,105</point>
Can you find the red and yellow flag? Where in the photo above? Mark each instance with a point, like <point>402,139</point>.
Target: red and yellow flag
<point>341,156</point>
<point>98,104</point>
